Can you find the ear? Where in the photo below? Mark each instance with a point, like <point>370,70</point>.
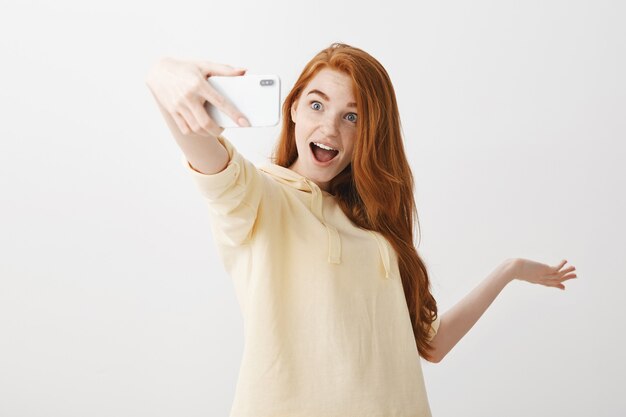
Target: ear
<point>293,111</point>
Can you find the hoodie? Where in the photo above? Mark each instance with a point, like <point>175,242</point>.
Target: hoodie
<point>326,325</point>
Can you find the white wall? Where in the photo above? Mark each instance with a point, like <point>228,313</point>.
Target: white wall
<point>113,301</point>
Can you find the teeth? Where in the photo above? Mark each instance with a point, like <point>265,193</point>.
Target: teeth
<point>324,146</point>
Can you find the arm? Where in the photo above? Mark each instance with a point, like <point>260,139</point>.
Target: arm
<point>457,321</point>
<point>204,153</point>
<point>180,90</point>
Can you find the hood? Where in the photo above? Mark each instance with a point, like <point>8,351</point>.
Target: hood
<point>293,179</point>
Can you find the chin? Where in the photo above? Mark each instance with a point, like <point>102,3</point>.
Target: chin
<point>322,174</point>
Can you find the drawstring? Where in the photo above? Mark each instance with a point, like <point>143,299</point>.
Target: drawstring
<point>334,241</point>
<point>384,252</point>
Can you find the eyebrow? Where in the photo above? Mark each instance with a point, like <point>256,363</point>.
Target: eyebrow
<point>326,97</point>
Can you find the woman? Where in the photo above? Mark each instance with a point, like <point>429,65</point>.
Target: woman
<point>335,298</point>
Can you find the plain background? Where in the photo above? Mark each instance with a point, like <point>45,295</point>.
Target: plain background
<point>113,301</point>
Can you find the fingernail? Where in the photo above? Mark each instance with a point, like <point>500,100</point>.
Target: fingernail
<point>243,122</point>
<point>241,69</point>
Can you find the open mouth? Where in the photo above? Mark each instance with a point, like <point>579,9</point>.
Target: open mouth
<point>321,154</point>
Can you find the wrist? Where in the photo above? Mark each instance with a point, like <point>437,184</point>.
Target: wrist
<point>509,270</point>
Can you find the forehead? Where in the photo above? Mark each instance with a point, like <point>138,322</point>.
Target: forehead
<point>332,82</point>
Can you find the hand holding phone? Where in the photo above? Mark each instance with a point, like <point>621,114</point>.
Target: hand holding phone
<point>181,89</point>
<point>257,96</point>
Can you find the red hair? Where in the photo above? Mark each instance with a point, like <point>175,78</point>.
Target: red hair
<point>375,190</point>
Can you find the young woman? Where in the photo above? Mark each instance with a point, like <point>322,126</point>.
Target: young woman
<point>320,242</point>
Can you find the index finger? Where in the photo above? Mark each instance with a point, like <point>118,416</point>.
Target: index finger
<point>223,104</point>
<point>214,68</point>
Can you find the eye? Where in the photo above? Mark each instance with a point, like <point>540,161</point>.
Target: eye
<point>315,102</point>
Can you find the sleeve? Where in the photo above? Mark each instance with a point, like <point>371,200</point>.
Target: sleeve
<point>434,328</point>
<point>233,196</point>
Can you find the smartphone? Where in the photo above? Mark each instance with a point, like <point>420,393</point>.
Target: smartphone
<point>256,96</point>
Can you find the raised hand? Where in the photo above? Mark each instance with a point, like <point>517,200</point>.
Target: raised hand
<point>538,273</point>
<point>181,88</point>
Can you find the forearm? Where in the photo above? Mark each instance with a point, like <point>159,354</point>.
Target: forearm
<point>457,321</point>
<point>206,155</point>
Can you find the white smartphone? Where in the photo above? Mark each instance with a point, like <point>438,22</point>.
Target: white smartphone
<point>257,96</point>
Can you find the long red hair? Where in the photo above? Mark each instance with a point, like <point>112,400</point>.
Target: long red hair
<point>375,190</point>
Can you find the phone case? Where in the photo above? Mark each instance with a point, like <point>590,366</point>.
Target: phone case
<point>257,96</point>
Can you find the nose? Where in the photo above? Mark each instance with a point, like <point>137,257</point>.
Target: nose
<point>329,125</point>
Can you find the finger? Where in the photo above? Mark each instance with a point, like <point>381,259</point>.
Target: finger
<point>214,68</point>
<point>552,282</point>
<point>223,104</point>
<point>555,285</point>
<point>559,266</point>
<point>205,123</point>
<point>181,123</point>
<point>191,120</point>
<point>569,275</point>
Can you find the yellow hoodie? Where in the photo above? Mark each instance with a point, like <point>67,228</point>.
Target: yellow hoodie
<point>326,324</point>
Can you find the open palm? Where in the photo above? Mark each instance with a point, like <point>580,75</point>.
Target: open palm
<point>538,273</point>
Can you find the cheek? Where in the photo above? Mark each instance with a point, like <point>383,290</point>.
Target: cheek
<point>301,139</point>
<point>350,147</point>
<point>303,132</point>
<point>349,155</point>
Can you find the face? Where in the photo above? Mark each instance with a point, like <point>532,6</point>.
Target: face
<point>325,113</point>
